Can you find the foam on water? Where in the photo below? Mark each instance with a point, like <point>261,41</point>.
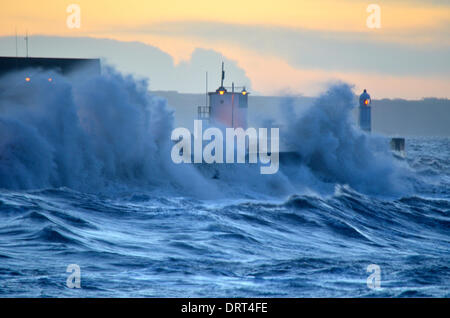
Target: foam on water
<point>109,132</point>
<point>87,134</point>
<point>87,179</point>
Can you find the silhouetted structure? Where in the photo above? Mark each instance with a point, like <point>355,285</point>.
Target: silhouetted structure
<point>64,66</point>
<point>365,109</point>
<point>228,106</point>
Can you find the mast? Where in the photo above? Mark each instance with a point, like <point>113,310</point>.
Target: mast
<point>17,53</point>
<point>223,76</point>
<point>26,41</point>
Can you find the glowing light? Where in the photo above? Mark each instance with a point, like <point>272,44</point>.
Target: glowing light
<point>50,79</point>
<point>244,93</point>
<point>27,79</point>
<point>221,92</point>
<point>366,102</point>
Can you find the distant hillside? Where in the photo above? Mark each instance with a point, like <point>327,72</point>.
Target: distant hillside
<point>426,117</point>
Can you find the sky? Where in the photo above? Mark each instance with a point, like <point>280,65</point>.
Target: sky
<point>274,47</point>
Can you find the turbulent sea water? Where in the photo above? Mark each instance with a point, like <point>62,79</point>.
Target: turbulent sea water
<point>86,179</point>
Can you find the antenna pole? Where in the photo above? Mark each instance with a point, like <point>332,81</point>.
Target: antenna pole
<point>223,76</point>
<point>206,95</point>
<point>26,41</point>
<point>232,110</point>
<point>17,54</point>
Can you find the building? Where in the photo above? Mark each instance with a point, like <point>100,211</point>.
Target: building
<point>227,106</point>
<point>40,65</point>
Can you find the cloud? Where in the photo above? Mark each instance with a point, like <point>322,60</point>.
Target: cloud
<point>260,73</point>
<point>315,49</point>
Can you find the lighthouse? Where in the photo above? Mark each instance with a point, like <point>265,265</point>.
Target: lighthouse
<point>397,144</point>
<point>365,116</point>
<point>228,106</point>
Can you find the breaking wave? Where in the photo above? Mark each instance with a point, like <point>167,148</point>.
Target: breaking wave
<point>335,150</point>
<point>109,132</point>
<point>87,179</point>
<point>86,134</point>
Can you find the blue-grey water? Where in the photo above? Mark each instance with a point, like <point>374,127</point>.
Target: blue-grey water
<point>85,179</point>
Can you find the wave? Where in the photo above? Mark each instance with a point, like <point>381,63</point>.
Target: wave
<point>69,217</point>
<point>86,134</point>
<point>307,245</point>
<point>109,132</point>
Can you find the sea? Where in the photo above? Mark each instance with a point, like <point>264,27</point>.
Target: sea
<point>91,204</point>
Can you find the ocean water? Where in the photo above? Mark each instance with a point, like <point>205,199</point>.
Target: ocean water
<point>86,179</point>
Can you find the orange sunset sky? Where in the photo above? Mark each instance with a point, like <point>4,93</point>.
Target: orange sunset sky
<point>282,46</point>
